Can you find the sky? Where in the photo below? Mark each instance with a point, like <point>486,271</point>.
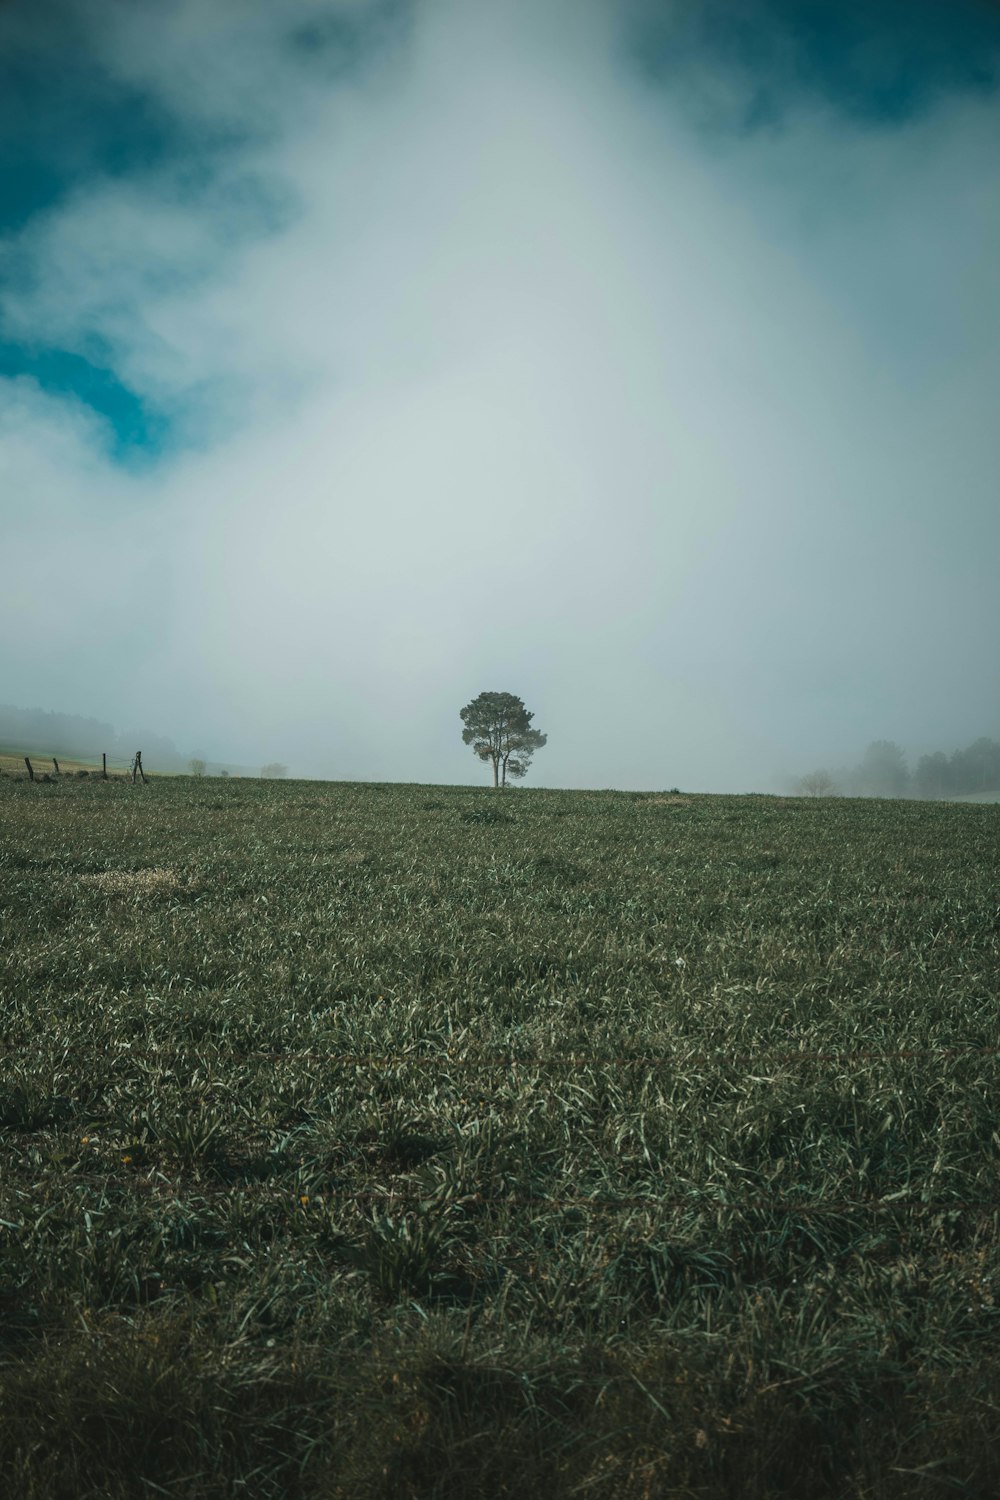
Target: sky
<point>637,357</point>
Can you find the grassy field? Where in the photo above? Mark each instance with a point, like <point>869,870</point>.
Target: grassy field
<point>367,1140</point>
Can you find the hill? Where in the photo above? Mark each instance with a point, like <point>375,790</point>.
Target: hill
<point>72,737</point>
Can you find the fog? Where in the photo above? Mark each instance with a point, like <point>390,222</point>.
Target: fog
<point>478,356</point>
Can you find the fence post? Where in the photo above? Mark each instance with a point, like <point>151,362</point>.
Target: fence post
<point>137,767</point>
<point>104,765</point>
<point>31,774</point>
<point>56,764</point>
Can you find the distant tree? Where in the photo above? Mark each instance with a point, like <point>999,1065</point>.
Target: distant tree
<point>498,727</point>
<point>274,771</point>
<point>976,768</point>
<point>223,772</point>
<point>197,767</point>
<point>883,771</point>
<point>933,777</point>
<point>817,784</point>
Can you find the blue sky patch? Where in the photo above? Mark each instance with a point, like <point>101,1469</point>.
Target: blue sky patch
<point>64,122</point>
<point>136,427</point>
<point>882,63</point>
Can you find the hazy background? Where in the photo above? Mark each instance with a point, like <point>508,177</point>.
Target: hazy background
<point>639,358</point>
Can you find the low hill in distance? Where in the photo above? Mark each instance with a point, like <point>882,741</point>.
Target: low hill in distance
<point>78,743</point>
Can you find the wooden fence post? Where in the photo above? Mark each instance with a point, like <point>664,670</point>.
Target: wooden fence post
<point>137,768</point>
<point>31,774</point>
<point>56,764</point>
<point>104,765</point>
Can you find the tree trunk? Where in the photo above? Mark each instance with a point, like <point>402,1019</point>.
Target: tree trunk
<point>495,762</point>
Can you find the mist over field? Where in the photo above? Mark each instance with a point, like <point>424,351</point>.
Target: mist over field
<point>358,356</point>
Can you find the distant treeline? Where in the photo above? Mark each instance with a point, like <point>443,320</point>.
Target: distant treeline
<point>80,738</point>
<point>974,769</point>
<point>885,772</point>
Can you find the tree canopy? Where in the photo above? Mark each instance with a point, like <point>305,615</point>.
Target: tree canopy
<point>498,727</point>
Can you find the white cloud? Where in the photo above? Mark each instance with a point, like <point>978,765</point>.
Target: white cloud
<point>530,391</point>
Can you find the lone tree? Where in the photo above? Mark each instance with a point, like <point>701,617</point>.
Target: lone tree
<point>883,770</point>
<point>817,784</point>
<point>498,727</point>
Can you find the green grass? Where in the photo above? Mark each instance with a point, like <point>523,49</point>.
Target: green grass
<point>356,1143</point>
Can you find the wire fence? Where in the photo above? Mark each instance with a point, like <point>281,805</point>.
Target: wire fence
<point>69,767</point>
<point>92,759</point>
<point>13,763</point>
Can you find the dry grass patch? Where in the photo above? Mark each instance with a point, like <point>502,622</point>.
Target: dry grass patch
<point>158,881</point>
